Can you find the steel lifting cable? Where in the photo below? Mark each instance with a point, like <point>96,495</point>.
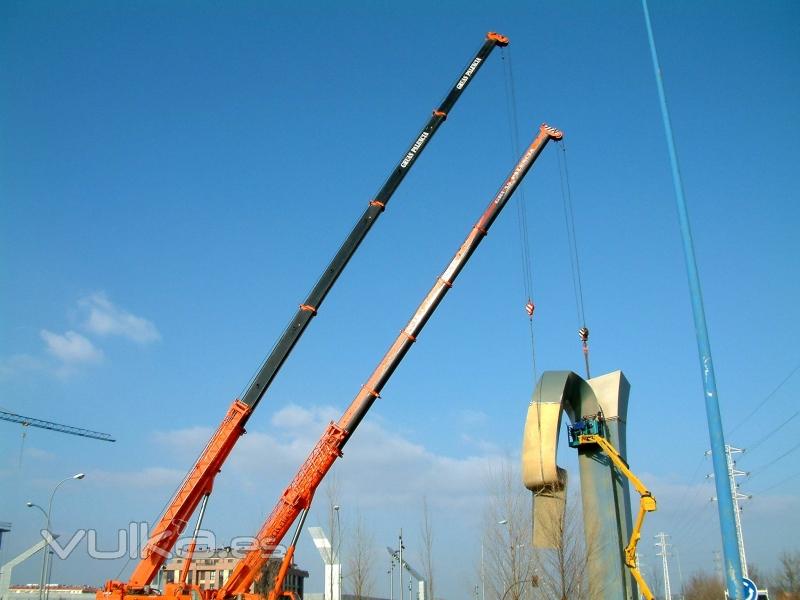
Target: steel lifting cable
<point>574,261</point>
<point>526,256</point>
<point>526,259</point>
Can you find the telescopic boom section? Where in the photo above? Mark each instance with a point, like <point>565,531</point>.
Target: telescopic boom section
<point>298,495</point>
<point>200,479</point>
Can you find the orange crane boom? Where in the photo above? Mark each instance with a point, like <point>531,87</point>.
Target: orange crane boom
<point>298,495</point>
<point>198,483</point>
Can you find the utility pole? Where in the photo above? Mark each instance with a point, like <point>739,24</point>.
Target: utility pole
<point>391,581</point>
<point>733,473</point>
<point>483,575</point>
<point>662,545</point>
<point>680,572</point>
<point>401,564</point>
<point>640,566</point>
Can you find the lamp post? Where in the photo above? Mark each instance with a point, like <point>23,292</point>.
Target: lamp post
<point>483,575</point>
<point>391,580</point>
<point>44,580</point>
<point>504,522</point>
<point>45,550</point>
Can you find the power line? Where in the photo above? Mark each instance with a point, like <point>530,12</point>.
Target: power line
<point>780,483</point>
<point>764,438</point>
<point>764,401</point>
<point>763,467</point>
<point>700,515</point>
<point>691,517</point>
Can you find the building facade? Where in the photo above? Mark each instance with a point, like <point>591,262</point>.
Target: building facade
<point>211,569</point>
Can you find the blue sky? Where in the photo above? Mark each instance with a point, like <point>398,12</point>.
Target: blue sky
<point>175,176</point>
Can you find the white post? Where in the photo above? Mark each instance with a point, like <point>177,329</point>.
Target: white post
<point>332,590</point>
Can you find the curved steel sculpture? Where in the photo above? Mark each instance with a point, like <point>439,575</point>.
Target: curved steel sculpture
<point>605,494</point>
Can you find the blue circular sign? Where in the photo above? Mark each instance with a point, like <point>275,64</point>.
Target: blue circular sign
<point>750,591</point>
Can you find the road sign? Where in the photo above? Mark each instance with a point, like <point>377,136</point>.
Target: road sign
<point>750,591</point>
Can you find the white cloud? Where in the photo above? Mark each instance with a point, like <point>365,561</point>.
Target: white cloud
<point>104,319</point>
<point>468,417</point>
<point>381,468</point>
<point>149,477</point>
<point>38,453</point>
<point>18,363</point>
<point>374,461</point>
<point>71,348</point>
<point>183,443</point>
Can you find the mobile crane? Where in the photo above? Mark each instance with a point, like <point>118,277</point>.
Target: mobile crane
<point>196,487</point>
<point>589,431</point>
<point>298,495</point>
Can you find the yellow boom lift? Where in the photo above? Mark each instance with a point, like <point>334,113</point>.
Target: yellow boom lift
<point>589,430</point>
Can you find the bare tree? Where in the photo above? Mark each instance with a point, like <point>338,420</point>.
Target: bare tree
<point>759,577</point>
<point>269,572</point>
<point>561,572</point>
<point>787,579</point>
<point>360,559</point>
<point>426,536</point>
<point>704,586</point>
<point>507,555</point>
<point>655,576</point>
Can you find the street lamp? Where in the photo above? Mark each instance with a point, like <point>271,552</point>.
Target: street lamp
<point>45,549</point>
<point>483,568</point>
<point>505,523</point>
<point>44,580</point>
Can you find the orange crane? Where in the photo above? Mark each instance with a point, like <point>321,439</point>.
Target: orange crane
<point>298,495</point>
<point>196,487</point>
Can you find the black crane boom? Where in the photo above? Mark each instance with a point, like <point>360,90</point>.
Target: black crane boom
<point>269,369</point>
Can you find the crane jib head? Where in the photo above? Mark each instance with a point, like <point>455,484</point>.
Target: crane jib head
<point>498,38</point>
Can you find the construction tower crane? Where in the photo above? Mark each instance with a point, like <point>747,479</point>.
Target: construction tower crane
<point>61,428</point>
<point>298,495</point>
<point>196,487</point>
<point>588,431</point>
